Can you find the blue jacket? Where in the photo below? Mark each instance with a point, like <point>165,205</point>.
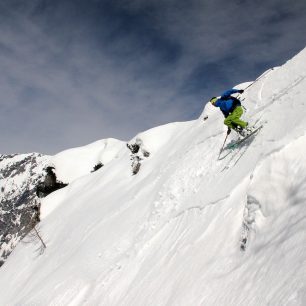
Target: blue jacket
<point>226,103</point>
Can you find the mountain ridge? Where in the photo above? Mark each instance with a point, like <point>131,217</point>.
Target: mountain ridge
<point>172,233</point>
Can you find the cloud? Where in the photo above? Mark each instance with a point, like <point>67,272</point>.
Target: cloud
<point>77,71</point>
<point>54,81</point>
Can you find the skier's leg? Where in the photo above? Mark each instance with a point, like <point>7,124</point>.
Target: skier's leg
<point>235,117</point>
<point>230,121</point>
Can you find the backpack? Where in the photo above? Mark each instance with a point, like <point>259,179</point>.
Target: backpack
<point>236,102</point>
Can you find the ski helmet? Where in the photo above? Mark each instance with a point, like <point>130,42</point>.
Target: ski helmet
<point>213,100</point>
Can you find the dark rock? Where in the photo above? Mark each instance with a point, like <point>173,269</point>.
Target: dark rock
<point>50,183</point>
<point>97,167</point>
<point>134,148</point>
<point>19,205</point>
<point>138,153</point>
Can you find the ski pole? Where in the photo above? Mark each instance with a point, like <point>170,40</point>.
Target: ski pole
<point>261,76</point>
<point>223,145</point>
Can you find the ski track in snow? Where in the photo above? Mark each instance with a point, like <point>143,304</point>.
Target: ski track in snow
<point>174,235</point>
<point>170,200</point>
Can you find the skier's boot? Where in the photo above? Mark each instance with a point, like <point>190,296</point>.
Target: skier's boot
<point>249,129</point>
<point>241,131</point>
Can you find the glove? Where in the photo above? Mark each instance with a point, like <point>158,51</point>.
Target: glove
<point>228,131</point>
<point>241,91</point>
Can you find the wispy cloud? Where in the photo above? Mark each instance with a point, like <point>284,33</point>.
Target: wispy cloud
<point>77,71</point>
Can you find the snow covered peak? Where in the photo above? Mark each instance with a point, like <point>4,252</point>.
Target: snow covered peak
<point>190,228</point>
<point>77,162</point>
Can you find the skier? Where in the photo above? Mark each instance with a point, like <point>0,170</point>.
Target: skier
<point>232,111</point>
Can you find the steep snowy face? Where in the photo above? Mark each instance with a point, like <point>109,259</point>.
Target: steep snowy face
<point>19,208</point>
<point>74,163</point>
<point>189,228</point>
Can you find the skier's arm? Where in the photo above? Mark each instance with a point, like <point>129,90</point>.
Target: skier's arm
<point>227,93</point>
<point>218,104</point>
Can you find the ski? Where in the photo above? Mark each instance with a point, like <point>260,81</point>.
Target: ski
<point>237,143</point>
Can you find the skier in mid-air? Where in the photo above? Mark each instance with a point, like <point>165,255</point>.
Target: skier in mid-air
<point>232,111</point>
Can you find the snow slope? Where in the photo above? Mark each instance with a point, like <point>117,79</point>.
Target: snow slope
<point>73,163</point>
<point>172,234</point>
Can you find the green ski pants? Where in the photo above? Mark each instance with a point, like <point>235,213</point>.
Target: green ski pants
<point>233,120</point>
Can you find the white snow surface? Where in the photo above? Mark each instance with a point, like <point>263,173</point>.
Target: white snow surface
<point>73,163</point>
<point>171,234</point>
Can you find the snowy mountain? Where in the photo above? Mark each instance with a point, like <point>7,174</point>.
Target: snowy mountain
<point>189,228</point>
<point>21,174</point>
<point>19,208</point>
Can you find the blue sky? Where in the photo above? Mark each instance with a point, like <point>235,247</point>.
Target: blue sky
<point>73,72</point>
